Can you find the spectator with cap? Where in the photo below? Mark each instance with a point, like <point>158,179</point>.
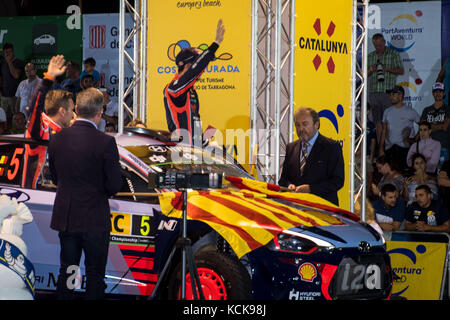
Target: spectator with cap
<point>444,77</point>
<point>428,147</point>
<point>384,66</point>
<point>11,71</point>
<point>180,97</point>
<point>426,214</point>
<point>26,87</point>
<point>438,115</point>
<point>398,127</point>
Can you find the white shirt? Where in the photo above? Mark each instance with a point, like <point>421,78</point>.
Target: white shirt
<point>24,91</point>
<point>400,125</point>
<point>112,110</point>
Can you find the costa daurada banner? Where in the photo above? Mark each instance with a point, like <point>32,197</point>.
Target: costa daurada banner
<point>323,34</point>
<point>224,86</point>
<point>419,268</point>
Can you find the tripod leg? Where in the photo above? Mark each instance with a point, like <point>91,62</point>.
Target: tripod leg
<point>194,274</point>
<point>191,267</point>
<point>161,276</point>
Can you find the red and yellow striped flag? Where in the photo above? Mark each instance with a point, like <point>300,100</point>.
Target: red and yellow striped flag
<point>245,218</point>
<point>304,199</point>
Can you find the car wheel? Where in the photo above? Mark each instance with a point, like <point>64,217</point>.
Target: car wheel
<point>222,277</point>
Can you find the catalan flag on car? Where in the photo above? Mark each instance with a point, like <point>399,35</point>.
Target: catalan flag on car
<point>247,219</point>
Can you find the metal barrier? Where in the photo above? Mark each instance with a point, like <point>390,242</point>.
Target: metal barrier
<point>424,238</point>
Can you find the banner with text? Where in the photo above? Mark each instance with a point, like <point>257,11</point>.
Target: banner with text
<point>101,42</point>
<point>419,268</point>
<point>413,29</point>
<point>224,87</point>
<point>323,35</point>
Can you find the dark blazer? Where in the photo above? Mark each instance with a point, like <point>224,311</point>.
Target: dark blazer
<point>84,164</point>
<point>324,169</point>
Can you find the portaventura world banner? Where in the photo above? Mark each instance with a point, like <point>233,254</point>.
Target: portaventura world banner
<point>419,268</point>
<point>323,34</point>
<point>224,87</point>
<point>412,29</point>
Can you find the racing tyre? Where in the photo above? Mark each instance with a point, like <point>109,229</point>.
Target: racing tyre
<point>222,278</point>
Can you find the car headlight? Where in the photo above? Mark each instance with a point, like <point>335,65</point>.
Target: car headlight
<point>289,241</point>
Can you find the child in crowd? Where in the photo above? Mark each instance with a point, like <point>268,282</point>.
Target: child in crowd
<point>89,68</point>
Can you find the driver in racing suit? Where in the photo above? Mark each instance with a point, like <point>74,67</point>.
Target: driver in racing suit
<point>59,109</point>
<point>180,98</point>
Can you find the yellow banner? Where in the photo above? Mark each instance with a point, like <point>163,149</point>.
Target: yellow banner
<point>224,87</point>
<point>419,267</point>
<point>323,34</point>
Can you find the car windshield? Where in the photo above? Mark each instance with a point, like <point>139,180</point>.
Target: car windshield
<point>160,158</point>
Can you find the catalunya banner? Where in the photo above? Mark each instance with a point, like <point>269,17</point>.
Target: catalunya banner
<point>413,29</point>
<point>224,87</point>
<point>249,219</point>
<point>323,60</point>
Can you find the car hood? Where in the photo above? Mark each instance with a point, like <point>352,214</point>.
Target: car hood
<point>345,233</point>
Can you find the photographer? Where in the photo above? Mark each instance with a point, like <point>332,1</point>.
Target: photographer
<point>384,66</point>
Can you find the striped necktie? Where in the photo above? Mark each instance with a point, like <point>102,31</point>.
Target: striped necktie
<point>304,156</point>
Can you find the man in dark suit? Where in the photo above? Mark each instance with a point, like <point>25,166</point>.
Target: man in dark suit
<point>314,163</point>
<point>84,164</point>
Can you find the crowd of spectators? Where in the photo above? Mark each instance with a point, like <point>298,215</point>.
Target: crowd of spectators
<point>19,78</point>
<point>409,166</point>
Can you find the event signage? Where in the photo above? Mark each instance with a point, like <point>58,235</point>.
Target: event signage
<point>101,41</point>
<point>419,267</point>
<point>37,39</point>
<point>224,87</point>
<point>413,29</point>
<point>323,71</point>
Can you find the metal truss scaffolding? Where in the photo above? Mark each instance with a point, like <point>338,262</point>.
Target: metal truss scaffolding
<point>132,98</point>
<point>359,106</point>
<point>272,84</point>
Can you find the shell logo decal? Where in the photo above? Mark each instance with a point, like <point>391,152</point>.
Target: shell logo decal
<point>307,272</point>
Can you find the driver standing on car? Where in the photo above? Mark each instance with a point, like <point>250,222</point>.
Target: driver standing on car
<point>180,97</point>
<point>84,164</point>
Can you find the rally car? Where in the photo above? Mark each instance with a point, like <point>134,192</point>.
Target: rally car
<point>250,240</point>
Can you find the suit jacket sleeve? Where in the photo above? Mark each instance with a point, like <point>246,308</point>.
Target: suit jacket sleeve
<point>112,171</point>
<point>335,172</point>
<point>284,180</point>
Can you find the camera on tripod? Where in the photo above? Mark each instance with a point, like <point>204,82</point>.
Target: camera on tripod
<point>185,179</point>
